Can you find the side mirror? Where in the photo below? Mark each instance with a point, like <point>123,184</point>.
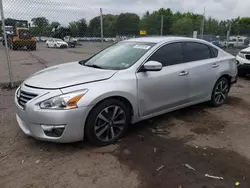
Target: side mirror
<point>152,66</point>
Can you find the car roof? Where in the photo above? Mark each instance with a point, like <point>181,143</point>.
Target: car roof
<point>163,39</point>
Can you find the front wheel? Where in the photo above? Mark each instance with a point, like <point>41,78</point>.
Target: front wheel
<point>107,122</point>
<point>220,92</point>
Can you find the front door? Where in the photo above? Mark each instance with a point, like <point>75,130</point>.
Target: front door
<point>161,90</point>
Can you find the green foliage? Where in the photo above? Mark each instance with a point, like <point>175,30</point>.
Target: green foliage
<point>73,29</point>
<point>40,26</point>
<point>40,22</point>
<point>127,24</point>
<point>94,29</point>
<point>82,27</point>
<point>109,25</point>
<point>183,26</point>
<point>151,23</point>
<point>55,24</point>
<point>61,33</point>
<point>244,25</point>
<point>211,26</point>
<point>78,28</point>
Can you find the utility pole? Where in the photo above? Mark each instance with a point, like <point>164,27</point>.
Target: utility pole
<point>161,24</point>
<point>203,23</point>
<point>228,33</point>
<point>6,45</point>
<point>101,20</point>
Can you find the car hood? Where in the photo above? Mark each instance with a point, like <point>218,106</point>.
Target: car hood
<point>246,50</point>
<point>66,75</point>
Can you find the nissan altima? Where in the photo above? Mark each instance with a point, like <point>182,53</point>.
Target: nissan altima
<point>130,81</point>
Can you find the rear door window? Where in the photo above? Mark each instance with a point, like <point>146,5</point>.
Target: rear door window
<point>169,54</point>
<point>194,51</point>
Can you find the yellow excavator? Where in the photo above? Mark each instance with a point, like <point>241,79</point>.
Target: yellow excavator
<point>19,35</point>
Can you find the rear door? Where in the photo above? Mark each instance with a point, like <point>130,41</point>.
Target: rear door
<point>203,69</point>
<point>161,90</point>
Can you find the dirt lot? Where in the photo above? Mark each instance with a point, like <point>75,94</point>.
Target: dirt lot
<point>213,141</point>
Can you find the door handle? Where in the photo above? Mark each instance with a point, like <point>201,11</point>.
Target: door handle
<point>215,65</point>
<point>183,73</point>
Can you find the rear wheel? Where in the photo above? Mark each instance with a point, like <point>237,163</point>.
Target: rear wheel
<point>220,92</point>
<point>55,46</point>
<point>107,122</point>
<point>30,47</point>
<point>14,46</point>
<point>33,47</point>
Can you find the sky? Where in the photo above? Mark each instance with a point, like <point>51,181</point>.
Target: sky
<point>66,11</point>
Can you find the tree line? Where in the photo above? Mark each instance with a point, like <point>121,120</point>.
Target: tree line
<point>129,24</point>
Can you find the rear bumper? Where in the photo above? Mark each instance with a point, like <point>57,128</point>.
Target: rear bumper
<point>24,42</point>
<point>244,68</point>
<point>243,64</point>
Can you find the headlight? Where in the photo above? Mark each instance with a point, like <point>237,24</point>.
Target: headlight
<point>241,55</point>
<point>65,101</point>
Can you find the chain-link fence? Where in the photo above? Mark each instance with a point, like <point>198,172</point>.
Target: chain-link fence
<point>45,33</point>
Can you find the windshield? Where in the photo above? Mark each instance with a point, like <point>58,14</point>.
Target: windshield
<point>119,56</point>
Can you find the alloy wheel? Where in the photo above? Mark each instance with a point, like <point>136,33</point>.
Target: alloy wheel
<point>109,123</point>
<point>221,92</point>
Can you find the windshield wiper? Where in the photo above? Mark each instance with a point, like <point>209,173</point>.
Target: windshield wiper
<point>94,66</point>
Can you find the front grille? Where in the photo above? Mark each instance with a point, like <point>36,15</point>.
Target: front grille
<point>248,57</point>
<point>23,97</point>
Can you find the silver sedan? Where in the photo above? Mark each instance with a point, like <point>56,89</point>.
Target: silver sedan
<point>128,82</point>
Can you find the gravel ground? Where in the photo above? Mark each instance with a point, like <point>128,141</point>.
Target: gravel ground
<point>213,141</point>
<point>24,63</point>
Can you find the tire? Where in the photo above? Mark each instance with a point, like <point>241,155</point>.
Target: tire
<point>47,46</point>
<point>55,46</point>
<point>14,46</point>
<point>106,130</point>
<point>220,92</point>
<point>33,47</point>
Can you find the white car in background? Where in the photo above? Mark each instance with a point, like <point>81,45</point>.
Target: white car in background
<point>243,61</point>
<point>56,43</point>
<point>43,39</point>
